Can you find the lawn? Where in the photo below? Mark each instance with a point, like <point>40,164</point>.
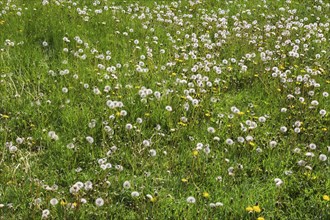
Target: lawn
<point>200,109</point>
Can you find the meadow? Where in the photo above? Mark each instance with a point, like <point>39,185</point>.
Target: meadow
<point>189,109</point>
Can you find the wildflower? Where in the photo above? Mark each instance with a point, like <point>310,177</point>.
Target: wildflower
<point>168,108</point>
<point>229,141</point>
<point>206,195</point>
<point>45,213</point>
<point>323,157</point>
<point>90,139</point>
<point>152,152</point>
<point>184,180</point>
<point>70,146</point>
<point>256,208</point>
<point>218,204</point>
<point>240,139</point>
<point>260,218</point>
<point>211,130</point>
<point>65,90</point>
<point>249,209</point>
<point>53,201</point>
<point>273,144</point>
<point>99,202</point>
<point>326,197</point>
<point>135,194</point>
<point>278,182</point>
<point>191,199</point>
<point>127,185</point>
<point>53,135</point>
<point>323,112</point>
<point>195,153</point>
<point>212,205</point>
<point>12,149</point>
<point>312,146</point>
<point>146,143</point>
<point>128,126</point>
<point>63,202</point>
<point>283,129</point>
<point>314,102</point>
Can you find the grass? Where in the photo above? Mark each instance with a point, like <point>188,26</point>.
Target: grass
<point>226,71</point>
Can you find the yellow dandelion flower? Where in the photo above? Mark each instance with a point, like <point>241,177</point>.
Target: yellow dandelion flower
<point>256,208</point>
<point>184,180</point>
<point>249,209</point>
<point>260,218</point>
<point>326,198</point>
<point>206,195</point>
<point>241,113</point>
<point>195,152</point>
<point>63,202</point>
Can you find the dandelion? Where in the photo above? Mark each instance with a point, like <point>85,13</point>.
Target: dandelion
<point>218,204</point>
<point>323,112</point>
<point>262,119</point>
<point>326,198</point>
<point>249,209</point>
<point>229,141</point>
<point>206,195</point>
<point>53,135</point>
<point>212,205</point>
<point>45,213</point>
<point>53,201</point>
<point>152,152</point>
<point>314,103</point>
<point>135,194</point>
<point>309,154</point>
<point>90,139</point>
<point>256,208</point>
<point>65,90</point>
<point>99,202</point>
<point>191,199</point>
<point>312,146</point>
<point>19,140</point>
<point>12,149</point>
<point>168,108</point>
<point>127,185</point>
<point>211,130</point>
<point>240,139</point>
<point>323,157</point>
<point>70,146</point>
<point>272,144</point>
<point>129,126</point>
<point>283,129</point>
<point>278,182</point>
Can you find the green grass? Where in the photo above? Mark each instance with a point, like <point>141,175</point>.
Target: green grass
<point>221,35</point>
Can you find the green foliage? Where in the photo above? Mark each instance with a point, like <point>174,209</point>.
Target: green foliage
<point>164,110</point>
